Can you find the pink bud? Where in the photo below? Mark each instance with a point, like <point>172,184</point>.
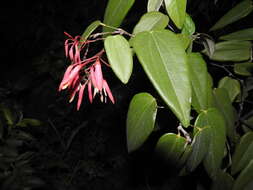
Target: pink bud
<point>98,75</point>
<point>106,87</point>
<point>80,96</point>
<point>90,91</point>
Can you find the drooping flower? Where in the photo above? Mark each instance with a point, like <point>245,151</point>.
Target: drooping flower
<point>82,73</point>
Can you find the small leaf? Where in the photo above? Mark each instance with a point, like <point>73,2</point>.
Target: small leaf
<point>224,181</point>
<point>224,105</point>
<point>154,5</point>
<point>231,51</point>
<point>214,119</point>
<point>120,56</point>
<point>200,147</point>
<point>232,86</point>
<point>151,21</point>
<point>244,69</point>
<point>140,120</point>
<point>243,153</point>
<point>245,34</point>
<point>115,13</point>
<point>88,31</point>
<point>199,80</point>
<point>245,178</point>
<point>170,147</point>
<point>241,10</point>
<point>164,60</point>
<point>176,10</point>
<point>189,25</point>
<point>29,122</point>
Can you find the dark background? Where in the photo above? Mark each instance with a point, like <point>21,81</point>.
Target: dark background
<point>32,65</point>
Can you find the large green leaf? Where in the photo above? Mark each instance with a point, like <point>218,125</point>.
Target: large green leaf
<point>185,39</point>
<point>231,51</point>
<point>214,119</point>
<point>244,69</point>
<point>189,25</point>
<point>154,5</point>
<point>245,34</point>
<point>224,181</point>
<point>151,21</point>
<point>200,147</point>
<point>243,153</point>
<point>115,12</point>
<point>164,60</point>
<point>93,26</point>
<point>245,178</point>
<point>224,104</point>
<point>232,86</point>
<point>170,147</point>
<point>140,120</point>
<point>176,10</point>
<point>241,10</point>
<point>199,80</point>
<point>120,56</point>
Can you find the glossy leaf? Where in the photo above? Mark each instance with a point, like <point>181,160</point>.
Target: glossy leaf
<point>231,85</point>
<point>140,120</point>
<point>214,119</point>
<point>119,56</point>
<point>170,147</point>
<point>243,153</point>
<point>115,13</point>
<point>164,60</point>
<point>245,177</point>
<point>151,21</point>
<point>241,10</point>
<point>245,34</point>
<point>154,5</point>
<point>199,80</point>
<point>91,28</point>
<point>176,10</point>
<point>224,181</point>
<point>189,25</point>
<point>200,147</point>
<point>184,157</point>
<point>244,69</point>
<point>224,105</point>
<point>232,51</point>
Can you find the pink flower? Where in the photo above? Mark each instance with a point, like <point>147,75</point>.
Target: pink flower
<point>82,73</point>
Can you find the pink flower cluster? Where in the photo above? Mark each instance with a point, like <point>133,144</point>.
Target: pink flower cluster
<point>82,73</point>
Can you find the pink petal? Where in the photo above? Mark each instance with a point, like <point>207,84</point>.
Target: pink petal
<point>66,48</point>
<point>65,78</point>
<point>80,96</point>
<point>73,93</point>
<point>90,91</point>
<point>98,75</point>
<point>68,35</point>
<point>71,53</point>
<point>77,54</point>
<point>70,78</point>
<point>92,77</point>
<point>105,85</point>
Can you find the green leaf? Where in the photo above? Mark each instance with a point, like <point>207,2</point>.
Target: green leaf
<point>154,5</point>
<point>245,34</point>
<point>224,181</point>
<point>231,51</point>
<point>164,60</point>
<point>176,10</point>
<point>170,147</point>
<point>151,21</point>
<point>231,85</point>
<point>243,153</point>
<point>7,114</point>
<point>189,25</point>
<point>245,177</point>
<point>244,69</point>
<point>241,10</point>
<point>214,119</point>
<point>140,120</point>
<point>115,13</point>
<point>29,122</point>
<point>120,56</point>
<point>88,31</point>
<point>185,40</point>
<point>199,80</point>
<point>224,105</point>
<point>200,147</point>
